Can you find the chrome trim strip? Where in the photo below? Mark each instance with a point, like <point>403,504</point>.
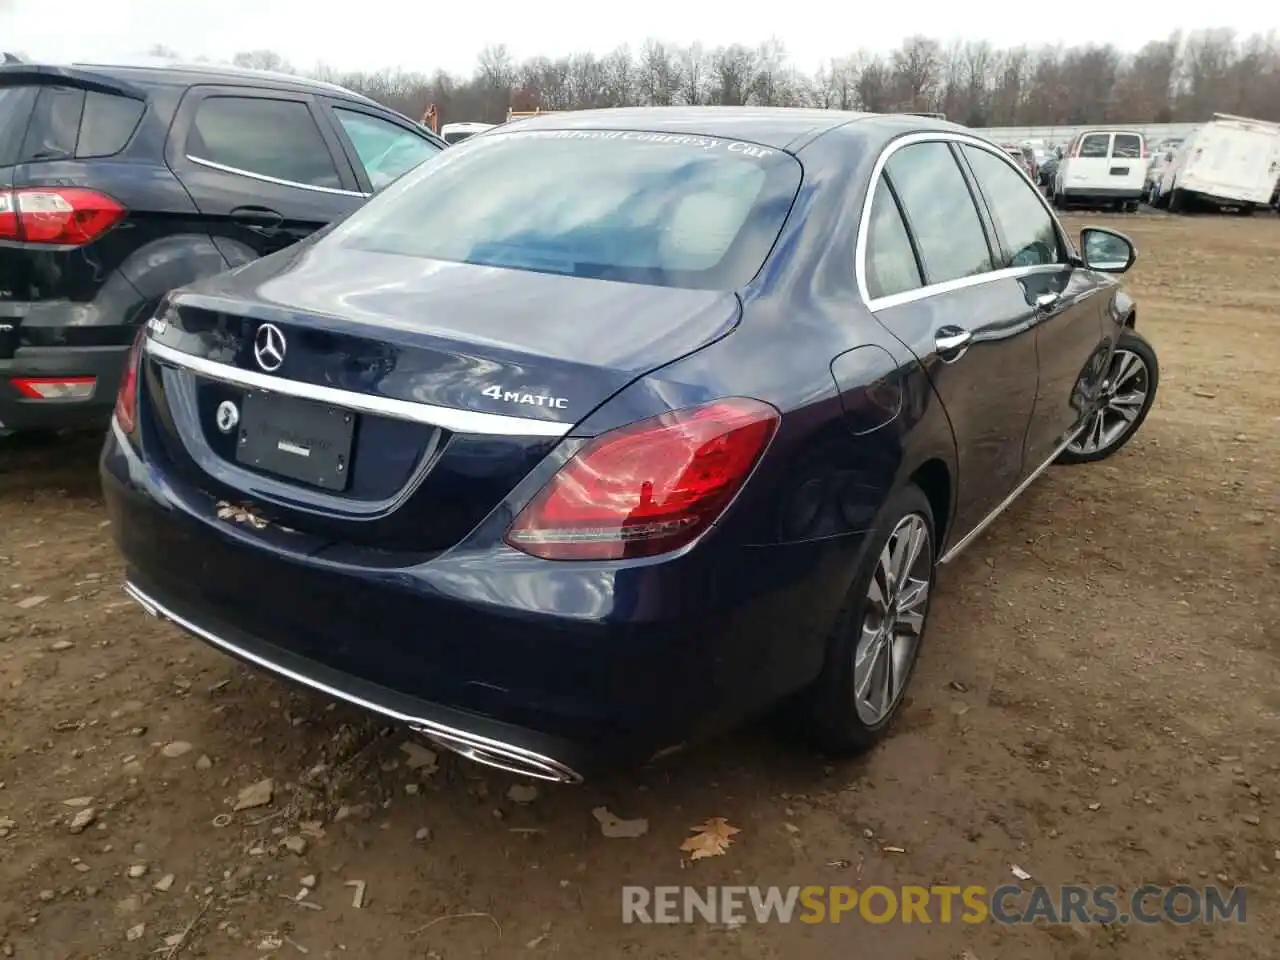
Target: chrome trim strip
<point>449,418</point>
<point>493,753</point>
<point>263,178</point>
<point>923,293</point>
<point>1003,505</point>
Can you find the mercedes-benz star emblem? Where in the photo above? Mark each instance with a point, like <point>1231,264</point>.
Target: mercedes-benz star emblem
<point>227,416</point>
<point>269,347</point>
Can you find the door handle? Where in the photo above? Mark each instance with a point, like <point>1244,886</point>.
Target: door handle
<point>261,218</point>
<point>1047,300</point>
<point>952,342</point>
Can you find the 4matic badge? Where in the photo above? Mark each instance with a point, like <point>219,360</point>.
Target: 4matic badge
<point>529,399</point>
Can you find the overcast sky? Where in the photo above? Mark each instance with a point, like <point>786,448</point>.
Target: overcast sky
<point>423,36</point>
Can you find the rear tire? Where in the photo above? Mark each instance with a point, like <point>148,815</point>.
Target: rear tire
<point>877,637</point>
<point>1177,201</point>
<point>1132,382</point>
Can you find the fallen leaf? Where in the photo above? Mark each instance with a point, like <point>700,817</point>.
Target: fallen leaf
<point>615,828</point>
<point>710,839</point>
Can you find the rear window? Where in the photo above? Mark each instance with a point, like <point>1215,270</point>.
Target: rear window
<point>16,104</point>
<point>55,124</point>
<point>1095,145</point>
<point>666,209</point>
<point>1128,146</point>
<point>58,123</point>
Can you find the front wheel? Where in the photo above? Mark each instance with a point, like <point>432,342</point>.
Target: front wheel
<point>1123,403</point>
<point>876,641</point>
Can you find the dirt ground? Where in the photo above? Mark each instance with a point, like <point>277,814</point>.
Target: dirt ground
<point>1099,703</point>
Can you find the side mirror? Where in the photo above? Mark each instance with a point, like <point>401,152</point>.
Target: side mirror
<point>1107,251</point>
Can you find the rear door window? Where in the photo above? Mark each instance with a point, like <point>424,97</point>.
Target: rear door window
<point>891,262</point>
<point>1096,146</point>
<point>1029,234</point>
<point>667,209</point>
<point>1127,146</point>
<point>386,150</point>
<point>272,138</point>
<point>940,212</point>
<point>16,105</point>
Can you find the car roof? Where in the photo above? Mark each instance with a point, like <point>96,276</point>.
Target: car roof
<point>151,71</point>
<point>783,128</point>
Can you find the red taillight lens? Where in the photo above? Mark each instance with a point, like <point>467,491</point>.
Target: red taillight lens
<point>648,487</point>
<point>61,216</point>
<point>127,396</point>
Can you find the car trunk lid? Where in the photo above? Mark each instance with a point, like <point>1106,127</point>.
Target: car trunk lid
<point>395,410</point>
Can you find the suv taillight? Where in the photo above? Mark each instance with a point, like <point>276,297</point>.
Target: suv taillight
<point>649,487</point>
<point>127,395</point>
<point>60,216</point>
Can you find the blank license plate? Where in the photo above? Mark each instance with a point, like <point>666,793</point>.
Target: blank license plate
<point>297,439</point>
<point>1119,171</point>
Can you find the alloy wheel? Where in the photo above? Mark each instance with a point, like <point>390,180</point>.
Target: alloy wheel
<point>897,601</point>
<point>1124,393</point>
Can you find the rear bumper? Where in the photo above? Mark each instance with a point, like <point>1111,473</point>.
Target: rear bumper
<point>487,741</point>
<point>1102,193</point>
<point>19,413</point>
<point>557,670</point>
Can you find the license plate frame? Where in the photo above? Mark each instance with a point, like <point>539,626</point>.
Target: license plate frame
<point>297,439</point>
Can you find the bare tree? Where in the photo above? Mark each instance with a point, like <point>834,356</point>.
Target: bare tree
<point>974,83</point>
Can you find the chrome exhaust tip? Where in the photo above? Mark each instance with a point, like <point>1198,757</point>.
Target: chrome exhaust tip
<point>500,756</point>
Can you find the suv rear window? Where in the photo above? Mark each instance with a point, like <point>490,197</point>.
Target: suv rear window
<point>58,123</point>
<point>666,209</point>
<point>15,112</point>
<point>1127,146</point>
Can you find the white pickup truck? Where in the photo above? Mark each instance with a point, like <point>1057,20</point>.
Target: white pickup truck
<point>1229,162</point>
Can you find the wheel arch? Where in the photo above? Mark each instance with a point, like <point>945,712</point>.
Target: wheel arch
<point>934,478</point>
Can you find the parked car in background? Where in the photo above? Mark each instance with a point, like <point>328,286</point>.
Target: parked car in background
<point>1156,168</point>
<point>120,182</point>
<point>621,426</point>
<point>453,133</point>
<point>1102,167</point>
<point>1228,162</point>
<point>1048,168</point>
<point>1019,157</point>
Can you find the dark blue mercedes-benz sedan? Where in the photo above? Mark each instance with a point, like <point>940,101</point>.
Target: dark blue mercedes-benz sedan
<point>605,430</point>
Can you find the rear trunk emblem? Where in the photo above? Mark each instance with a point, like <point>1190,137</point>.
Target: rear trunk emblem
<point>227,416</point>
<point>269,347</point>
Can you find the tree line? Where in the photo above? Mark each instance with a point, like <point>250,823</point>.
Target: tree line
<point>1181,78</point>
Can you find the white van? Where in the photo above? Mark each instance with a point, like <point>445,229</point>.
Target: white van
<point>1102,166</point>
<point>1230,161</point>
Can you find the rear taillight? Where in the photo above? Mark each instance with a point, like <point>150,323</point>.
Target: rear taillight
<point>61,216</point>
<point>127,396</point>
<point>649,487</point>
<point>55,388</point>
